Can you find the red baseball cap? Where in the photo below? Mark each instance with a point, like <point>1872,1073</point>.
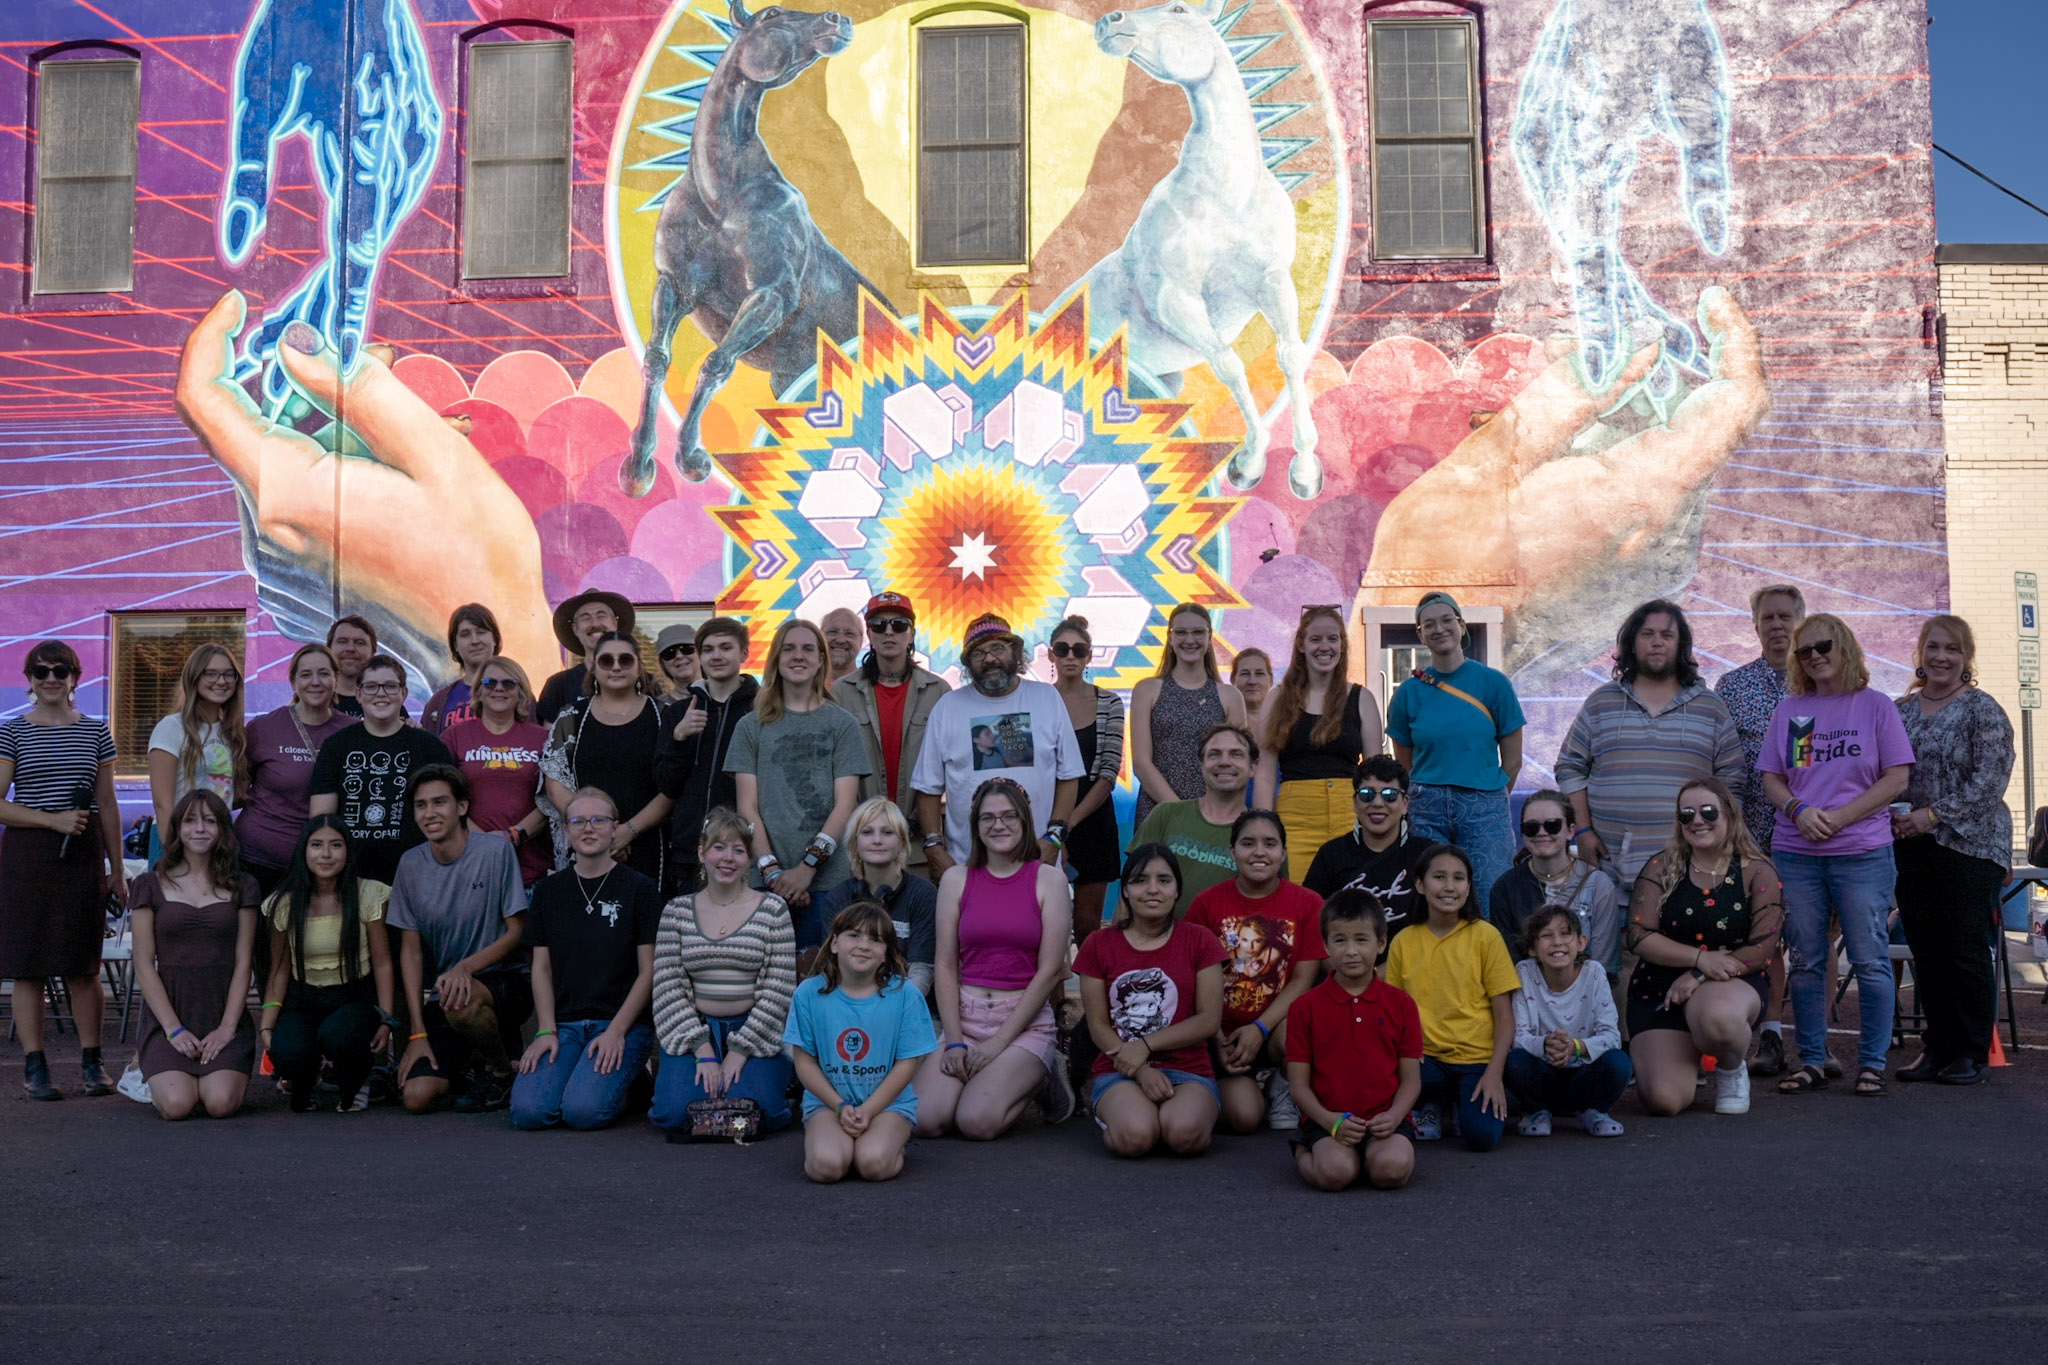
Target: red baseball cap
<point>889,601</point>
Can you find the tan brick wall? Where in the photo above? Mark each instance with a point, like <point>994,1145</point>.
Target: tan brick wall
<point>1995,413</point>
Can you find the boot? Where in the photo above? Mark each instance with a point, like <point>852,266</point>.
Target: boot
<point>35,1077</point>
<point>96,1082</point>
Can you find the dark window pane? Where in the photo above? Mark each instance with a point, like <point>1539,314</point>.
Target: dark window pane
<point>971,152</point>
<point>515,219</point>
<point>86,115</point>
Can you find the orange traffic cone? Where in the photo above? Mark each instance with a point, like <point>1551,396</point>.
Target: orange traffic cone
<point>1997,1051</point>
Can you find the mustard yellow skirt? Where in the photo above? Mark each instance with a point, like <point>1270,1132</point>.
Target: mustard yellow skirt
<point>1314,811</point>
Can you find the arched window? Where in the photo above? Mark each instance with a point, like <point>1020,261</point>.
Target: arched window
<point>971,202</point>
<point>517,165</point>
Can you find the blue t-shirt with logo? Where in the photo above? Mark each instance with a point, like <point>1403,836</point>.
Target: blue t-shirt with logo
<point>856,1039</point>
<point>1456,744</point>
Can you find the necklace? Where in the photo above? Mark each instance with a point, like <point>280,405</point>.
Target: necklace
<point>1538,874</point>
<point>590,898</point>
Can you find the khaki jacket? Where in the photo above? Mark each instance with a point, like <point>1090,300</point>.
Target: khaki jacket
<point>856,695</point>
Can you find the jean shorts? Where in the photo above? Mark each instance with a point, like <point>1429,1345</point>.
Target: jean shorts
<point>1179,1078</point>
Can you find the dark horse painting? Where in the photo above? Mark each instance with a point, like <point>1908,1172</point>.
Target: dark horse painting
<point>736,249</point>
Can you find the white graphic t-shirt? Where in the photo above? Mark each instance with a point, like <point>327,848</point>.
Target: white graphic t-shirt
<point>970,738</point>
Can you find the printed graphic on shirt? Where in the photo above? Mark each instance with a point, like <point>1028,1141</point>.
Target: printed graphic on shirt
<point>852,1045</point>
<point>610,909</point>
<point>1142,1001</point>
<point>803,758</point>
<point>373,787</point>
<point>1804,748</point>
<point>217,769</point>
<point>1261,953</point>
<point>500,756</point>
<point>1799,743</point>
<point>1002,741</point>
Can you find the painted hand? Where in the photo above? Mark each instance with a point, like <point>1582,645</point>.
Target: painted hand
<point>1566,541</point>
<point>428,526</point>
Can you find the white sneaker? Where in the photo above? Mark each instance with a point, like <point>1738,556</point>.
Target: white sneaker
<point>132,1085</point>
<point>1731,1089</point>
<point>1281,1114</point>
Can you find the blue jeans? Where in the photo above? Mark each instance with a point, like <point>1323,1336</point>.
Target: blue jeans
<point>1857,888</point>
<point>1536,1084</point>
<point>764,1080</point>
<point>1475,821</point>
<point>1449,1084</point>
<point>569,1089</point>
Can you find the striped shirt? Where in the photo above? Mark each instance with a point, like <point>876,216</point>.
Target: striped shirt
<point>755,962</point>
<point>1109,737</point>
<point>1631,764</point>
<point>54,763</point>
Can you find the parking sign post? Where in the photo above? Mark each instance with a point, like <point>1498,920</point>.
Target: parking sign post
<point>2026,591</point>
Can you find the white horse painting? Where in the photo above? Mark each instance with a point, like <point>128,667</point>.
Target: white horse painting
<point>1214,242</point>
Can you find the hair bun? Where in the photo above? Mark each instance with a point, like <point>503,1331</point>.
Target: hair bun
<point>1080,621</point>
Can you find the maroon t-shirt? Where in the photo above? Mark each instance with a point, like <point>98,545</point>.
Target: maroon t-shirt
<point>1264,939</point>
<point>280,775</point>
<point>504,775</point>
<point>1150,990</point>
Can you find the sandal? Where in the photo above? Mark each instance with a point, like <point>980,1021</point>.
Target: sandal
<point>1802,1080</point>
<point>1871,1085</point>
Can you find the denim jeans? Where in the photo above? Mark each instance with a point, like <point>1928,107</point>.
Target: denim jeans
<point>1857,888</point>
<point>764,1080</point>
<point>569,1090</point>
<point>1449,1084</point>
<point>1475,821</point>
<point>1536,1084</point>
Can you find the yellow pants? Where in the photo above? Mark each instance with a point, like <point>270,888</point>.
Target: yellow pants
<point>1314,811</point>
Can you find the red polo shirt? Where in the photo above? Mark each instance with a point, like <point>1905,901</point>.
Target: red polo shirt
<point>1354,1043</point>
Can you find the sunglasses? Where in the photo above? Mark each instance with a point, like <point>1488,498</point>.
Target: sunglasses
<point>1063,649</point>
<point>1707,814</point>
<point>1821,647</point>
<point>891,625</point>
<point>1532,828</point>
<point>678,652</point>
<point>1385,796</point>
<point>498,685</point>
<point>45,672</point>
<point>616,661</point>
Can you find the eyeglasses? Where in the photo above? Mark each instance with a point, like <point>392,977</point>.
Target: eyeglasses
<point>678,652</point>
<point>891,625</point>
<point>616,661</point>
<point>1821,647</point>
<point>498,684</point>
<point>380,689</point>
<point>1000,817</point>
<point>987,654</point>
<point>1532,828</point>
<point>45,672</point>
<point>591,821</point>
<point>1385,796</point>
<point>226,675</point>
<point>1706,814</point>
<point>1063,649</point>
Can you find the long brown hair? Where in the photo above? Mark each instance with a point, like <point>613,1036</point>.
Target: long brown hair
<point>768,704</point>
<point>1965,638</point>
<point>870,918</point>
<point>231,732</point>
<point>1676,859</point>
<point>223,867</point>
<point>1020,801</point>
<point>1286,703</point>
<point>1166,654</point>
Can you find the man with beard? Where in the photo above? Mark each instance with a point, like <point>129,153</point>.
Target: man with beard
<point>1032,734</point>
<point>842,646</point>
<point>1639,739</point>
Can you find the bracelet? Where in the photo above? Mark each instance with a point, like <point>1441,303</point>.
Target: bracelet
<point>1582,831</point>
<point>1338,1122</point>
<point>934,840</point>
<point>845,1105</point>
<point>1264,1032</point>
<point>951,1046</point>
<point>1149,1049</point>
<point>1698,953</point>
<point>1578,1047</point>
<point>414,1037</point>
<point>543,1033</point>
<point>176,1031</point>
<point>273,1004</point>
<point>708,1061</point>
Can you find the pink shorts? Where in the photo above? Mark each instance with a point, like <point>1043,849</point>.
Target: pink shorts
<point>980,1018</point>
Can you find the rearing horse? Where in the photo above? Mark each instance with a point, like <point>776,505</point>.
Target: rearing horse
<point>735,248</point>
<point>1214,242</point>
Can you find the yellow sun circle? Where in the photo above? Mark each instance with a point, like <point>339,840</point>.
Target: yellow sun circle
<point>972,539</point>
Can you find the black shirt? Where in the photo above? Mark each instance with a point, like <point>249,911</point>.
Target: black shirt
<point>348,706</point>
<point>1301,760</point>
<point>692,772</point>
<point>593,929</point>
<point>557,694</point>
<point>620,758</point>
<point>373,779</point>
<point>1390,874</point>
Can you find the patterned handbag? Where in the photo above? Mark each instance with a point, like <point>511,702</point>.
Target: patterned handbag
<point>723,1120</point>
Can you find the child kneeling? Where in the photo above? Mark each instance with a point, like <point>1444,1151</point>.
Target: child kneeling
<point>1567,1053</point>
<point>859,1031</point>
<point>1354,1058</point>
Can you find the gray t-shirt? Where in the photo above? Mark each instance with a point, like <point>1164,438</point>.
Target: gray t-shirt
<point>458,908</point>
<point>795,761</point>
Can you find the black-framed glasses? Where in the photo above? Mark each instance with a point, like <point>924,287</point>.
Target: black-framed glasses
<point>1706,813</point>
<point>1385,796</point>
<point>679,652</point>
<point>498,684</point>
<point>380,689</point>
<point>891,625</point>
<point>616,661</point>
<point>1820,647</point>
<point>47,672</point>
<point>1069,649</point>
<point>1532,828</point>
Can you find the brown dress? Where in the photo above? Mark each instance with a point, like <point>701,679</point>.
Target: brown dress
<point>195,958</point>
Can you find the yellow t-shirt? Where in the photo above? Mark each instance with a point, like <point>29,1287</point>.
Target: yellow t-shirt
<point>1453,980</point>
<point>323,934</point>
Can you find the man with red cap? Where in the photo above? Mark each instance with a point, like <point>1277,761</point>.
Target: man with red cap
<point>892,697</point>
<point>1032,731</point>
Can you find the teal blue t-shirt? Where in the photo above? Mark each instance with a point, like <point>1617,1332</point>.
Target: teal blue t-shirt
<point>1454,744</point>
<point>856,1039</point>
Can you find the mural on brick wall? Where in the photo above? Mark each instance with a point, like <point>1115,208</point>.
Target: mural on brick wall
<point>1688,361</point>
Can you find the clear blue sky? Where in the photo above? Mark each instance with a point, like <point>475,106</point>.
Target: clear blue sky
<point>1986,63</point>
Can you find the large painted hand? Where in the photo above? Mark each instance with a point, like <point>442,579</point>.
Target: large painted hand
<point>411,523</point>
<point>1567,542</point>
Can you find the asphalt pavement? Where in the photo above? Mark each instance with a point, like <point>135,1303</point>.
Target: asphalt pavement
<point>1815,1228</point>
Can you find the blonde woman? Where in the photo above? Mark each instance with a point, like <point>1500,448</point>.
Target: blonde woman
<point>499,750</point>
<point>1174,708</point>
<point>200,745</point>
<point>1835,756</point>
<point>1319,727</point>
<point>878,845</point>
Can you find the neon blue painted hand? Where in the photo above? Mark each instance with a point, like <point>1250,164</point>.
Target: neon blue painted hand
<point>329,70</point>
<point>1607,76</point>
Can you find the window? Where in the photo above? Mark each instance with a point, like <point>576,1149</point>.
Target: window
<point>85,176</point>
<point>1426,157</point>
<point>515,208</point>
<point>970,145</point>
<point>150,648</point>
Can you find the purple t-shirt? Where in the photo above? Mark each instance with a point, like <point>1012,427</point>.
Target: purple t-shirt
<point>1830,750</point>
<point>280,774</point>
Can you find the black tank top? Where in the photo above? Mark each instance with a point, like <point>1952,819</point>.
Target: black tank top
<point>1301,761</point>
<point>1716,919</point>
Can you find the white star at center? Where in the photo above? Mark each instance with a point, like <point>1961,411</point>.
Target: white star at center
<point>974,556</point>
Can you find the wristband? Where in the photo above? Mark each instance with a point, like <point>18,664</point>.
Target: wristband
<point>1582,831</point>
<point>951,1046</point>
<point>273,1004</point>
<point>824,843</point>
<point>543,1033</point>
<point>414,1037</point>
<point>1264,1032</point>
<point>845,1105</point>
<point>1149,1049</point>
<point>934,840</point>
<point>707,1061</point>
<point>1339,1122</point>
<point>1578,1047</point>
<point>516,835</point>
<point>176,1031</point>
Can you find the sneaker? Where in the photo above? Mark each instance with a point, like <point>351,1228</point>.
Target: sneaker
<point>35,1078</point>
<point>1599,1124</point>
<point>1731,1090</point>
<point>1770,1055</point>
<point>1056,1096</point>
<point>490,1092</point>
<point>1536,1123</point>
<point>1281,1114</point>
<point>95,1071</point>
<point>1428,1121</point>
<point>133,1085</point>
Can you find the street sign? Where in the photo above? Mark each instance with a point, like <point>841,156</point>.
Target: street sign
<point>2026,588</point>
<point>2030,662</point>
<point>2030,699</point>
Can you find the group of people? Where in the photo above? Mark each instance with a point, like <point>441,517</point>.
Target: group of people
<point>848,895</point>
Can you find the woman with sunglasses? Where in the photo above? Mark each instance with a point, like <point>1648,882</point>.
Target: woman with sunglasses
<point>283,745</point>
<point>499,751</point>
<point>473,641</point>
<point>675,649</point>
<point>1835,756</point>
<point>200,745</point>
<point>1547,873</point>
<point>608,740</point>
<point>1319,727</point>
<point>1704,920</point>
<point>1098,717</point>
<point>54,873</point>
<point>1174,708</point>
